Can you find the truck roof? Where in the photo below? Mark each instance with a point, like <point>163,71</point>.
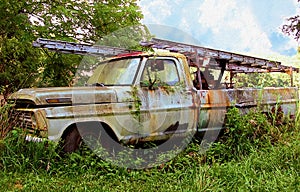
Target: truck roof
<point>156,52</point>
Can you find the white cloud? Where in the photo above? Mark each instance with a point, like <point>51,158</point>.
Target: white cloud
<point>234,26</point>
<point>213,14</point>
<point>155,11</point>
<point>184,24</point>
<point>244,26</point>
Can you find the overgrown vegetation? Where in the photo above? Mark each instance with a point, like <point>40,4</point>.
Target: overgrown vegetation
<point>255,153</point>
<point>23,21</point>
<point>292,26</point>
<point>5,120</point>
<point>251,132</point>
<point>259,80</point>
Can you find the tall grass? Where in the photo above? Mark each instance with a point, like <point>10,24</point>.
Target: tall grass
<point>6,119</point>
<point>254,154</point>
<point>248,133</point>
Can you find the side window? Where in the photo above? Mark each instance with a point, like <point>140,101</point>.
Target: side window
<point>159,72</point>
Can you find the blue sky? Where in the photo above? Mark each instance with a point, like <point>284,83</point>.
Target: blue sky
<point>243,26</point>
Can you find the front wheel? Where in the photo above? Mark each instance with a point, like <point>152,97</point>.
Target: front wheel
<point>92,135</point>
<point>72,140</point>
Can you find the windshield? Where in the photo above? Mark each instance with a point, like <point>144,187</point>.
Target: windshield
<point>115,72</point>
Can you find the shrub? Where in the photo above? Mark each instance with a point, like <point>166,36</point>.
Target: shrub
<point>6,123</point>
<point>246,133</point>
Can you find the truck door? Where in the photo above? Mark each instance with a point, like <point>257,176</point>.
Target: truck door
<point>166,102</point>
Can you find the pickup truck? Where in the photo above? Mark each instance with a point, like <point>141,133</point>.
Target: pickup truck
<point>132,97</point>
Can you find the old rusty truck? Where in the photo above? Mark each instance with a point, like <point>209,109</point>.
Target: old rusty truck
<point>174,89</point>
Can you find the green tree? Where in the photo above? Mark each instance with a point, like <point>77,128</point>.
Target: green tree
<point>22,21</point>
<point>260,80</point>
<point>293,26</point>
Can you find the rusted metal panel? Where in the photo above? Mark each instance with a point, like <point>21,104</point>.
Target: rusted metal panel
<point>212,110</point>
<point>215,103</point>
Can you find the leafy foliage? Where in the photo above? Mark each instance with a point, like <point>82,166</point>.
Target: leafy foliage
<point>250,132</point>
<point>38,167</point>
<point>293,26</point>
<point>259,80</point>
<point>18,64</point>
<point>22,22</point>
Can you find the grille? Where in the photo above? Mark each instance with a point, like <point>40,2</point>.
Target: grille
<point>25,120</point>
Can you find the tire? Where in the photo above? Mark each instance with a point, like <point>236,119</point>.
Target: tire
<point>72,140</point>
<point>90,135</point>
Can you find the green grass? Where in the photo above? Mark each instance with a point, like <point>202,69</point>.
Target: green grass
<point>265,157</point>
<point>271,169</point>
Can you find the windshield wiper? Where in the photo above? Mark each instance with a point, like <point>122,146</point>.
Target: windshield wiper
<point>96,84</point>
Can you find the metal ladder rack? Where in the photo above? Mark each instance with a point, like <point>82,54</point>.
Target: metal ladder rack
<point>79,48</point>
<point>235,62</point>
<point>196,54</point>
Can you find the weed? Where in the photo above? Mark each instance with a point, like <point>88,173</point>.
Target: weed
<point>18,154</point>
<point>137,103</point>
<point>247,133</point>
<point>6,120</point>
<point>253,155</point>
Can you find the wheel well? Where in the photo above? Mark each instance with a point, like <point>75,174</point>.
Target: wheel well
<point>105,126</point>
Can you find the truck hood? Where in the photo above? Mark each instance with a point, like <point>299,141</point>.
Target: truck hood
<point>65,95</point>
